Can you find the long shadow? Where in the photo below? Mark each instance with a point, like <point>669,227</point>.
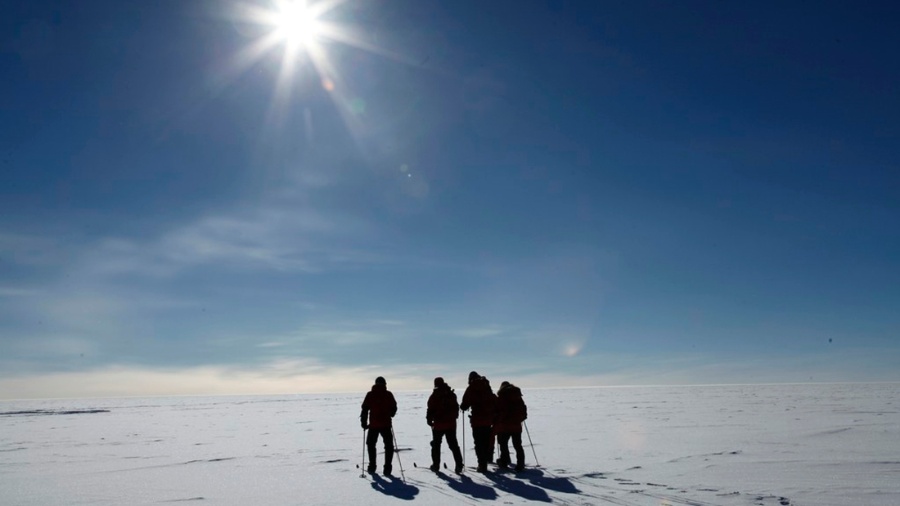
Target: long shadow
<point>519,488</point>
<point>465,485</point>
<point>556,483</point>
<point>394,487</point>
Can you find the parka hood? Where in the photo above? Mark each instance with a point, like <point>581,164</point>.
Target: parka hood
<point>509,389</point>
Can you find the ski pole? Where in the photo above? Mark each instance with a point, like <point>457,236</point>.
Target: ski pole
<point>464,442</point>
<point>397,451</point>
<point>537,464</point>
<point>362,470</point>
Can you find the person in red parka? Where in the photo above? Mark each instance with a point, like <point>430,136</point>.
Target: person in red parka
<point>511,411</point>
<point>481,399</point>
<point>379,407</point>
<point>441,416</point>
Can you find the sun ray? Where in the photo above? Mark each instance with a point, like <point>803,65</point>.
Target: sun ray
<point>297,29</point>
<point>338,90</point>
<point>351,38</point>
<point>253,13</point>
<point>251,54</point>
<point>320,8</point>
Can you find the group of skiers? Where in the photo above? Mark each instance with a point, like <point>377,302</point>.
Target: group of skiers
<point>493,416</point>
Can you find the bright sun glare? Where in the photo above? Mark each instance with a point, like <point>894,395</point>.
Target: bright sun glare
<point>301,31</point>
<point>296,23</point>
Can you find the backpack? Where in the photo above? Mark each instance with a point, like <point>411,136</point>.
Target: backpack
<point>449,406</point>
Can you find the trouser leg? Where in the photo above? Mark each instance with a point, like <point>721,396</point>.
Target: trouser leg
<point>454,447</point>
<point>371,439</point>
<point>436,437</point>
<point>520,452</point>
<point>492,445</point>
<point>482,437</point>
<point>388,438</point>
<point>503,439</point>
<point>478,440</point>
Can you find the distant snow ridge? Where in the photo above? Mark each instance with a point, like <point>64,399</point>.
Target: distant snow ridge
<point>42,412</point>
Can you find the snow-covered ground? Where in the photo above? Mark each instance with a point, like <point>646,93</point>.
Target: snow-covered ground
<point>714,445</point>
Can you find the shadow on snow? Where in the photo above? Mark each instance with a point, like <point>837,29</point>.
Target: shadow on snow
<point>394,487</point>
<point>519,488</point>
<point>534,490</point>
<point>555,483</point>
<point>465,485</point>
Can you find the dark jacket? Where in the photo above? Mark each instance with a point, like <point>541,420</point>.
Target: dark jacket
<point>379,406</point>
<point>481,399</point>
<point>443,408</point>
<point>511,410</point>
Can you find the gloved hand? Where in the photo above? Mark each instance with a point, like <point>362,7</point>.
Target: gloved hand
<point>429,422</point>
<point>365,425</point>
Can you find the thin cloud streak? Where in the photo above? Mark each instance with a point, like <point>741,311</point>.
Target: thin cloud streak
<point>276,377</point>
<point>285,376</point>
<point>12,291</point>
<point>272,238</point>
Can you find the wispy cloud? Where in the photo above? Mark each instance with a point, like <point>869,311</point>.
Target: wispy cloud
<point>13,291</point>
<point>325,334</point>
<point>271,238</point>
<point>30,250</point>
<point>310,375</point>
<point>276,238</point>
<point>277,377</point>
<point>482,332</point>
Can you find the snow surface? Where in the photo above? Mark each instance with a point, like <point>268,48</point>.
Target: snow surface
<point>836,444</point>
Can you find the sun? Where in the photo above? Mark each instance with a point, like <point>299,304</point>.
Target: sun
<point>301,33</point>
<point>296,23</point>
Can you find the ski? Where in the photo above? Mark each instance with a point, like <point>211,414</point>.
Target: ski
<point>439,471</point>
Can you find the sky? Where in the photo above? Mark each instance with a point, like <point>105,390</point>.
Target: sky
<point>204,198</point>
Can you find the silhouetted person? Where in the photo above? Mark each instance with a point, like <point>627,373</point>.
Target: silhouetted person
<point>492,445</point>
<point>510,413</point>
<point>379,407</point>
<point>442,413</point>
<point>481,399</point>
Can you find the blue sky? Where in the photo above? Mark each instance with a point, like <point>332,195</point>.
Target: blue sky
<point>554,193</point>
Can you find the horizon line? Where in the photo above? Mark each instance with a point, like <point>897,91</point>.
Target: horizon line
<point>349,392</point>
